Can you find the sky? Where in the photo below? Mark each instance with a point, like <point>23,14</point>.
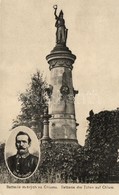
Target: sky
<point>27,35</point>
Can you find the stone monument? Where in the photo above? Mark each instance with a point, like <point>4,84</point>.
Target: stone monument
<point>62,124</point>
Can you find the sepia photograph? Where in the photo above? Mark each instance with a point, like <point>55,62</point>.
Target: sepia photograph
<point>22,163</point>
<point>59,102</point>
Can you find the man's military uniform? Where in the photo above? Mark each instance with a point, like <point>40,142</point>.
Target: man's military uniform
<point>22,165</point>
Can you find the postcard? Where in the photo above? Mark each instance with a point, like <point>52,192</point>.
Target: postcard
<point>59,102</point>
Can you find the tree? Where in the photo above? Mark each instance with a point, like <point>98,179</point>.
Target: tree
<point>33,101</point>
<point>101,145</point>
<point>62,160</point>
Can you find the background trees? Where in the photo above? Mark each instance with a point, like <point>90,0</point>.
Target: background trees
<point>33,101</point>
<point>101,145</point>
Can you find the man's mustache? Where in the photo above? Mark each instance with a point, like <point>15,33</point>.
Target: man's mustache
<point>21,148</point>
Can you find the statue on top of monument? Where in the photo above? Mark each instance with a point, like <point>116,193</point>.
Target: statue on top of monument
<point>61,33</point>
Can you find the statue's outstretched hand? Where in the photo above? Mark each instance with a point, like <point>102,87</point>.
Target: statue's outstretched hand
<point>55,6</point>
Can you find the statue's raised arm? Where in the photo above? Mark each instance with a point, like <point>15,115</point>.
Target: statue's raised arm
<point>55,8</point>
<point>61,33</point>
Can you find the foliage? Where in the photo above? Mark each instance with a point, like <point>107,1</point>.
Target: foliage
<point>101,145</point>
<point>96,162</point>
<point>62,159</point>
<point>32,101</point>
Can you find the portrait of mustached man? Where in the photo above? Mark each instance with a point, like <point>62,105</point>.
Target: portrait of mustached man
<point>22,164</point>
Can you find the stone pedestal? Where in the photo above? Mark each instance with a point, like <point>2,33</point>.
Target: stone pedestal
<point>62,123</point>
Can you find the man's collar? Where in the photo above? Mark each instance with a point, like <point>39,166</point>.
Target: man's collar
<point>22,155</point>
